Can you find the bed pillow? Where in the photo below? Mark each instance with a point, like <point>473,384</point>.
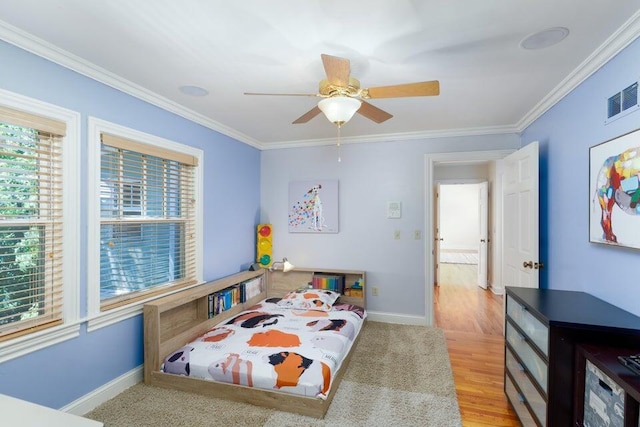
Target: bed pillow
<point>309,299</point>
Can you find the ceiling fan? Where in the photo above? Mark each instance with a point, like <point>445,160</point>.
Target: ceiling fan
<point>343,96</point>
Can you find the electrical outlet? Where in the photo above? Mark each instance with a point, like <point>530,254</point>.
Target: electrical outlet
<point>417,234</point>
<point>396,235</point>
<point>374,291</point>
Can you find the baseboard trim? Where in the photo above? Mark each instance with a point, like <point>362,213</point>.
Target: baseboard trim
<point>497,289</point>
<point>97,397</point>
<point>459,250</point>
<point>401,319</point>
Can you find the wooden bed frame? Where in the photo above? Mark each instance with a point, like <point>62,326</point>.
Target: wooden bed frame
<point>171,322</point>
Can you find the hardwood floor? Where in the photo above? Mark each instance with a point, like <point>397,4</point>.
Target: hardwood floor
<point>472,319</point>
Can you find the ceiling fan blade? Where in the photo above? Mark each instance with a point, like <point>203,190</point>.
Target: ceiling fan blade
<point>307,116</point>
<point>337,69</point>
<point>431,88</point>
<point>282,94</point>
<point>373,113</point>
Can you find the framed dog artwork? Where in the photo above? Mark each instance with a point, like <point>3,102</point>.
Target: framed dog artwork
<point>614,188</point>
<point>313,206</point>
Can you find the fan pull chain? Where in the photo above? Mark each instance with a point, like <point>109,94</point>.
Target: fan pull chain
<point>339,137</point>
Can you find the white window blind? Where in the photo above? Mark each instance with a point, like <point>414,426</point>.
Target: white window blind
<point>31,223</point>
<point>147,220</point>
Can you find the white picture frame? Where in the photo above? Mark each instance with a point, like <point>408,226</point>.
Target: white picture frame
<point>614,190</point>
<point>313,206</point>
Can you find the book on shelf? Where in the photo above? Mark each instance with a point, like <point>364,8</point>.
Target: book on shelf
<point>229,297</point>
<point>224,300</point>
<point>252,288</point>
<point>330,282</point>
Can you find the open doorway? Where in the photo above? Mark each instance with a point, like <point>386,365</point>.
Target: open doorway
<point>461,233</point>
<point>474,310</point>
<point>461,259</point>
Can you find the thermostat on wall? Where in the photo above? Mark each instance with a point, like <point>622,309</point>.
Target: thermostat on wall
<point>394,209</point>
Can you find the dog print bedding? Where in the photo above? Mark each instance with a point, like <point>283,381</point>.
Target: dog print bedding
<point>274,345</point>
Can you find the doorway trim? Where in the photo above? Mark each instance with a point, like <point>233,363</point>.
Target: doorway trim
<point>430,161</point>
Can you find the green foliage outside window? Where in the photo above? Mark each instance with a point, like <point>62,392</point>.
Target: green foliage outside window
<point>21,253</point>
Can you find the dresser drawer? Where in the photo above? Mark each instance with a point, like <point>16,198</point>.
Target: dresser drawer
<point>534,364</point>
<point>530,393</point>
<point>535,329</point>
<point>517,401</point>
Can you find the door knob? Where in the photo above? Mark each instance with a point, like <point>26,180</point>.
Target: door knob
<point>538,265</point>
<point>527,264</point>
<point>482,240</point>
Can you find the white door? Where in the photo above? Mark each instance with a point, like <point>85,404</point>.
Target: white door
<point>483,244</point>
<point>521,264</point>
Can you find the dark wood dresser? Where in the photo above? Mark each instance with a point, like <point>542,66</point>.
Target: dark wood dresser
<point>543,329</point>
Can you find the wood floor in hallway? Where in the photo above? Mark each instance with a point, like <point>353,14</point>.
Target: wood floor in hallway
<point>472,319</point>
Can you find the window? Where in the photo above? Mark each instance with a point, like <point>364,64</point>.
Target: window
<point>38,274</point>
<point>30,222</point>
<point>148,217</point>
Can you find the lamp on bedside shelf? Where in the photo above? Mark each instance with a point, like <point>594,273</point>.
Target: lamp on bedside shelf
<point>286,265</point>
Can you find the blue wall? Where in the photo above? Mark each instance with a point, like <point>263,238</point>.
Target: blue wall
<point>566,132</point>
<point>62,373</point>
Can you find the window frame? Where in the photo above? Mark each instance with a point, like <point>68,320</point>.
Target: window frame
<point>70,327</point>
<point>96,127</point>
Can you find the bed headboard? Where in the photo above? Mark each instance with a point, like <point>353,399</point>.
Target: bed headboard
<point>279,283</point>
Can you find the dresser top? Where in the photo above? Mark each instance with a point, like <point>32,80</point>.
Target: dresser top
<point>575,309</point>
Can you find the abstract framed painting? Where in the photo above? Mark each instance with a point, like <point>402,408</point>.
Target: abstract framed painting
<point>313,206</point>
<point>614,191</point>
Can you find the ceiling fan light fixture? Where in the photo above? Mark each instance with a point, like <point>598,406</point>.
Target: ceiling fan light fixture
<point>339,109</point>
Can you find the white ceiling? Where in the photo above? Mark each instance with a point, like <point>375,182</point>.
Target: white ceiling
<point>488,83</point>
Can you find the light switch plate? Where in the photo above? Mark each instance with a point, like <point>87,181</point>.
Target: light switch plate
<point>394,210</point>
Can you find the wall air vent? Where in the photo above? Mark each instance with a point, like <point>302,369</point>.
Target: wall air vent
<point>622,103</point>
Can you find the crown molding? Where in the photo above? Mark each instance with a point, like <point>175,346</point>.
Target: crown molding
<point>612,46</point>
<point>626,34</point>
<point>46,50</point>
<point>389,137</point>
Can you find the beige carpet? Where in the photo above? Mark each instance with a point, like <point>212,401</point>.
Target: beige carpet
<point>398,376</point>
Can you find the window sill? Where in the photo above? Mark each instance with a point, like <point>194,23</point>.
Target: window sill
<point>107,318</point>
<point>111,317</point>
<point>37,341</point>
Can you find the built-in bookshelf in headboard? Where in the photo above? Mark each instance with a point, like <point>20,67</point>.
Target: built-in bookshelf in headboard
<point>353,292</point>
<point>239,293</point>
<point>172,321</point>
